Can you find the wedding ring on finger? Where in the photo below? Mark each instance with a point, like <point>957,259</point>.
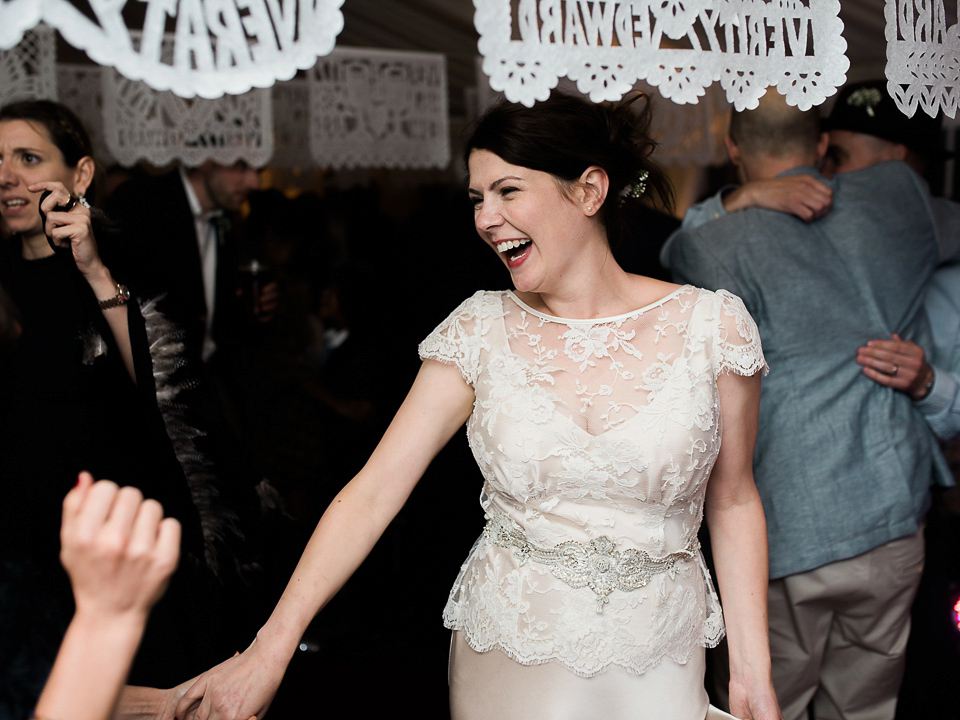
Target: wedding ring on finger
<point>68,206</point>
<point>896,369</point>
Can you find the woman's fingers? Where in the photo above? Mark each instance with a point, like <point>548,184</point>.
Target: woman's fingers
<point>117,547</point>
<point>74,499</point>
<point>190,700</point>
<point>60,197</point>
<point>895,363</point>
<point>95,509</point>
<point>168,544</point>
<point>144,528</point>
<point>66,218</point>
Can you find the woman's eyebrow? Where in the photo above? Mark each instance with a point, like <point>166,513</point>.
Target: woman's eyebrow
<point>494,185</point>
<point>497,183</point>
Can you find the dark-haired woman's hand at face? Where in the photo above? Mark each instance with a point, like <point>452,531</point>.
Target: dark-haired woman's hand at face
<point>70,228</point>
<point>68,225</point>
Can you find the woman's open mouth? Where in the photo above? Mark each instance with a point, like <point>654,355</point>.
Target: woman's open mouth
<point>514,250</point>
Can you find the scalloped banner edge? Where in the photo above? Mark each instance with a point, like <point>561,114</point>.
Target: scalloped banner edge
<point>82,33</point>
<point>554,62</point>
<point>16,18</point>
<point>910,91</point>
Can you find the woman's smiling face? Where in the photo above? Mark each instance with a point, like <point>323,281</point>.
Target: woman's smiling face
<point>526,217</point>
<point>27,156</point>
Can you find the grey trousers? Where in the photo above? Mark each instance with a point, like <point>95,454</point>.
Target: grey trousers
<point>838,633</point>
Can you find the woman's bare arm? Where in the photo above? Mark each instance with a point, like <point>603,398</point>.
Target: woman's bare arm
<point>738,534</point>
<point>438,404</point>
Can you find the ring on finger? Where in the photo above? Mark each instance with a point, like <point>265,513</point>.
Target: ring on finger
<point>896,369</point>
<point>68,206</point>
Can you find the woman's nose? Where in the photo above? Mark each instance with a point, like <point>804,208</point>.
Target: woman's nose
<point>488,217</point>
<point>6,175</point>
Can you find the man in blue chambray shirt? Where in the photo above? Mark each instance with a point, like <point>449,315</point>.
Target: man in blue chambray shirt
<point>843,465</point>
<point>866,128</point>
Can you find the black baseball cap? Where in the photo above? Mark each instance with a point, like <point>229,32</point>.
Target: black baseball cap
<point>866,107</point>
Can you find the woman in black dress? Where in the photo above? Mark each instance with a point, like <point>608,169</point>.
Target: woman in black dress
<point>76,385</point>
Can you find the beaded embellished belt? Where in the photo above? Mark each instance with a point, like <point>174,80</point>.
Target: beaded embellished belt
<point>595,564</point>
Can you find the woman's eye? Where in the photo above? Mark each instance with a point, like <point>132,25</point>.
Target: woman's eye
<point>30,158</point>
<point>476,201</point>
<point>507,191</point>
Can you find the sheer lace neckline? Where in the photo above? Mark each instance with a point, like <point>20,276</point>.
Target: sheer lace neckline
<point>600,320</point>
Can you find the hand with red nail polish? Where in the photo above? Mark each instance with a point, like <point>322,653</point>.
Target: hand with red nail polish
<point>119,552</point>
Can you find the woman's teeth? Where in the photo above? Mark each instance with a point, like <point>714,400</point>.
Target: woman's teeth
<point>511,244</point>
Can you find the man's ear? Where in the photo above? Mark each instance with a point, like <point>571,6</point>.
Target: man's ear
<point>822,144</point>
<point>732,150</point>
<point>83,175</point>
<point>899,151</point>
<point>594,184</point>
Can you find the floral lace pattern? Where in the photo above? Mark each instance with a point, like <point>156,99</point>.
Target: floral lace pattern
<point>585,429</point>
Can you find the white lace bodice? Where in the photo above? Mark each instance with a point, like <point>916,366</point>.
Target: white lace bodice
<point>585,429</point>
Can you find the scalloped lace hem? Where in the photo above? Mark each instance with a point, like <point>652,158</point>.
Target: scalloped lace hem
<point>595,669</point>
<point>744,363</point>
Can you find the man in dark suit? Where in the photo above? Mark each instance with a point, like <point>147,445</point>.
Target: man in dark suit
<point>179,245</point>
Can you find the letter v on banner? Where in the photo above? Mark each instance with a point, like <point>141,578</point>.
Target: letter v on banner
<point>220,46</point>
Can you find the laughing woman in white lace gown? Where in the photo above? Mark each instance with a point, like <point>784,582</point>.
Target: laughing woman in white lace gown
<point>606,411</point>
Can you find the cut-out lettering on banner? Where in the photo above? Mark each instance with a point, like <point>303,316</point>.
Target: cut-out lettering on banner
<point>923,55</point>
<point>679,46</point>
<point>220,46</point>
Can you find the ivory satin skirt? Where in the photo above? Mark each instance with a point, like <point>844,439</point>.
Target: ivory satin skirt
<point>491,686</point>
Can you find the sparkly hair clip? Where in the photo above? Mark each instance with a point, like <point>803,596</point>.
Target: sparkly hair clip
<point>635,188</point>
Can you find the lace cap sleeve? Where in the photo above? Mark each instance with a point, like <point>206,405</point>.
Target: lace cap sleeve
<point>458,340</point>
<point>737,346</point>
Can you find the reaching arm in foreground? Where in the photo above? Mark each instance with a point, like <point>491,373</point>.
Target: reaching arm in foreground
<point>739,536</point>
<point>438,404</point>
<point>119,552</point>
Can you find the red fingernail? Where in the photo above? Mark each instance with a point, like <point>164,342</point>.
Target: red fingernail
<point>78,481</point>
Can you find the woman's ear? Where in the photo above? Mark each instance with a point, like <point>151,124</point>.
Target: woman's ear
<point>594,184</point>
<point>83,175</point>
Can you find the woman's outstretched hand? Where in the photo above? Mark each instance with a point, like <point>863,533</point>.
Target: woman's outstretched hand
<point>240,688</point>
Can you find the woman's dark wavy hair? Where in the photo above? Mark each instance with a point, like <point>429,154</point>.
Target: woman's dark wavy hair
<point>62,125</point>
<point>565,134</point>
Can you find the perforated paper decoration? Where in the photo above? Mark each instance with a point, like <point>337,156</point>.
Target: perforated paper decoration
<point>141,123</point>
<point>923,57</point>
<point>291,124</point>
<point>28,70</point>
<point>16,17</point>
<point>376,108</point>
<point>679,46</point>
<point>81,90</point>
<point>220,46</point>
